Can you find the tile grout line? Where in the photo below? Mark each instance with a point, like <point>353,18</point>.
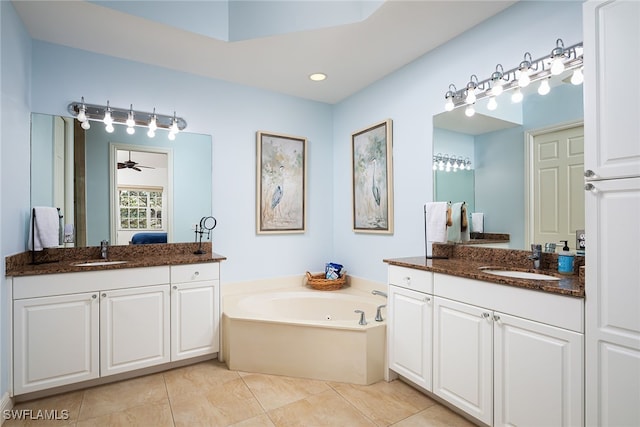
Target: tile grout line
<point>166,390</point>
<point>265,412</point>
<point>351,404</point>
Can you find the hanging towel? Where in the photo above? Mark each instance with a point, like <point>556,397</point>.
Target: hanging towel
<point>436,221</point>
<point>46,224</point>
<point>477,222</point>
<point>454,233</point>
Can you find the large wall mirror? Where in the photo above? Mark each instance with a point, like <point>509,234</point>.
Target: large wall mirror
<point>527,163</point>
<point>87,174</point>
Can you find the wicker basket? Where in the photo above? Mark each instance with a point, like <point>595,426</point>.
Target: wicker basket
<point>321,283</point>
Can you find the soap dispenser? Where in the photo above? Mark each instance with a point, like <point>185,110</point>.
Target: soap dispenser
<point>565,259</point>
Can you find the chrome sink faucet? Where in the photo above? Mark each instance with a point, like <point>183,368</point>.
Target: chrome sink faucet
<point>536,255</point>
<point>104,249</point>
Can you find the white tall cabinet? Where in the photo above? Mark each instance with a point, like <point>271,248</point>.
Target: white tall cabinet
<point>612,201</point>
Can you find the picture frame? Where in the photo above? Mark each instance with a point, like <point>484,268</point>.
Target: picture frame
<point>372,178</point>
<point>281,193</point>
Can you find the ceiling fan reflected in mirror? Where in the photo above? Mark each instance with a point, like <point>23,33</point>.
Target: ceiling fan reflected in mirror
<point>130,164</point>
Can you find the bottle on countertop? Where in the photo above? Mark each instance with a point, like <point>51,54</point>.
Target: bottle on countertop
<point>565,259</point>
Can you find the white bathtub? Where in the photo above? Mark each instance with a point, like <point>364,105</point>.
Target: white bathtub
<point>305,333</point>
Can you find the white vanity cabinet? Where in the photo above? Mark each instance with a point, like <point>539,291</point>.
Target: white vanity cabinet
<point>462,357</point>
<point>134,328</point>
<point>409,324</point>
<point>73,327</point>
<point>195,310</point>
<point>506,355</point>
<point>55,340</point>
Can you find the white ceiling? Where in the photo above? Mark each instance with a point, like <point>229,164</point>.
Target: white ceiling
<point>352,55</point>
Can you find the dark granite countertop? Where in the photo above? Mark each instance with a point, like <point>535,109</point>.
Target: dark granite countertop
<point>61,260</point>
<point>466,262</point>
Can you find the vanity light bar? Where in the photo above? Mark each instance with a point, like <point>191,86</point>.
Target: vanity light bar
<point>448,163</point>
<point>120,115</point>
<point>541,68</point>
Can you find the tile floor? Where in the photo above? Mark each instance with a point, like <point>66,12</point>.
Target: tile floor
<point>208,394</point>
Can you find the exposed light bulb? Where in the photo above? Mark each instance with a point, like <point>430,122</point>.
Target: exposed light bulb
<point>471,96</point>
<point>577,77</point>
<point>517,96</point>
<point>108,120</point>
<point>171,136</point>
<point>151,133</point>
<point>524,79</point>
<point>492,104</point>
<point>131,130</point>
<point>130,120</point>
<point>557,66</point>
<point>85,125</point>
<point>469,111</point>
<point>544,87</point>
<point>448,106</point>
<point>497,89</point>
<point>82,115</point>
<point>109,128</point>
<point>435,166</point>
<point>153,125</point>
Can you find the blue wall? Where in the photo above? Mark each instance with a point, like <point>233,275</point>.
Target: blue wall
<point>44,78</point>
<point>15,112</point>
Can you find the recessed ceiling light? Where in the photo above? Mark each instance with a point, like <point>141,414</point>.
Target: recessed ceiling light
<point>318,77</point>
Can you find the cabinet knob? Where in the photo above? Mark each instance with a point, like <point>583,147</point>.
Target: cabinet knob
<point>426,299</point>
<point>589,187</point>
<point>589,173</point>
<point>175,287</point>
<point>104,295</point>
<point>485,315</point>
<point>94,296</point>
<point>406,280</point>
<point>197,273</point>
<point>496,317</point>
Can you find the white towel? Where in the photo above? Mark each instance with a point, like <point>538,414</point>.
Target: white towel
<point>436,221</point>
<point>47,228</point>
<point>477,222</point>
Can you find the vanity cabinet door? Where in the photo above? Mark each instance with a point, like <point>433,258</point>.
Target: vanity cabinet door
<point>134,328</point>
<point>538,373</point>
<point>55,341</point>
<point>194,319</point>
<point>410,325</point>
<point>463,357</point>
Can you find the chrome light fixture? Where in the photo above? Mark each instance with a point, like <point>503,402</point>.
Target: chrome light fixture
<point>129,117</point>
<point>450,163</point>
<point>529,70</point>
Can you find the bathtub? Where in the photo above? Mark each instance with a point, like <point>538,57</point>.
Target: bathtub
<point>305,333</point>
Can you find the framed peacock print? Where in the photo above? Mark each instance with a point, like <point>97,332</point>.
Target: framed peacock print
<point>372,172</point>
<point>281,183</point>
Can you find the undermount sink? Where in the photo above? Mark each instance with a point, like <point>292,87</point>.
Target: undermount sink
<point>518,274</point>
<point>97,263</point>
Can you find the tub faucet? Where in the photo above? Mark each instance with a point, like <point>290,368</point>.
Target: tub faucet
<point>377,292</point>
<point>536,255</point>
<point>379,313</point>
<point>104,249</point>
<point>362,321</point>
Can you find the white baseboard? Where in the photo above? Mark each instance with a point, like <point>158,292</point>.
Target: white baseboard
<point>6,404</point>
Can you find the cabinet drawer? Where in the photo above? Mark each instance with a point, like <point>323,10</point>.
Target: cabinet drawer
<point>418,280</point>
<point>195,272</point>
